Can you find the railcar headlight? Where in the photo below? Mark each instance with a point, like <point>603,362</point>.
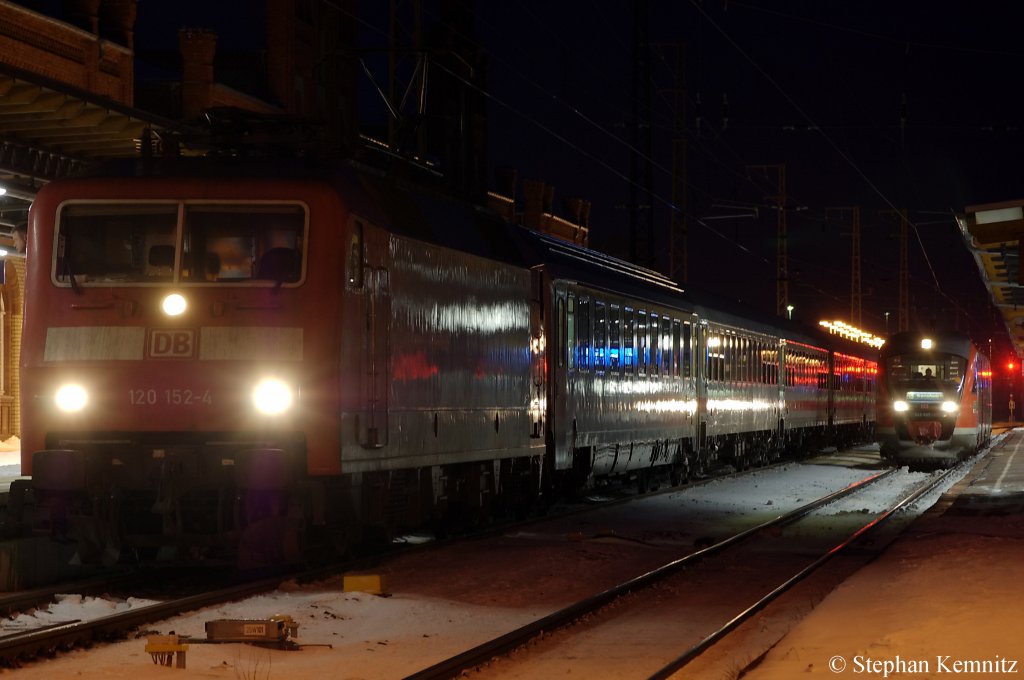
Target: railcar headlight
<point>900,406</point>
<point>950,407</point>
<point>71,398</point>
<point>272,397</point>
<point>174,304</point>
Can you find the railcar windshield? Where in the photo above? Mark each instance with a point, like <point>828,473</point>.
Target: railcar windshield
<point>926,370</point>
<point>144,243</point>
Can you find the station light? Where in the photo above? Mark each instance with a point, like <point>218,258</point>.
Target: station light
<point>843,329</point>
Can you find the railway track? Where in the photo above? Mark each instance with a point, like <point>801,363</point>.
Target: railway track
<point>159,584</point>
<point>65,635</point>
<point>29,644</point>
<point>552,645</point>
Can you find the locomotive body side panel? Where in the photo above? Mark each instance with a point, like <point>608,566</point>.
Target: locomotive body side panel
<point>444,361</point>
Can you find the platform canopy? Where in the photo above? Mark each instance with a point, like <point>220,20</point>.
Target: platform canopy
<point>994,233</point>
<point>49,130</point>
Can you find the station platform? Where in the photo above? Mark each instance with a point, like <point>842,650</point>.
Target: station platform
<point>944,598</point>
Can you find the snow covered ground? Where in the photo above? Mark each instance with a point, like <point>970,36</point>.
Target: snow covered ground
<point>10,458</point>
<point>945,588</point>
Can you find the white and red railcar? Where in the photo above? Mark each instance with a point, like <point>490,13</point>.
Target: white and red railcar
<point>934,398</point>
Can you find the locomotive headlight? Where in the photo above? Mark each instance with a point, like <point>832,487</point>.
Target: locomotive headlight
<point>272,397</point>
<point>71,398</point>
<point>900,406</point>
<point>174,304</point>
<point>950,407</point>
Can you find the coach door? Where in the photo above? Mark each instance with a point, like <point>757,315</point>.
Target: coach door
<point>557,375</point>
<point>538,351</point>
<point>373,429</point>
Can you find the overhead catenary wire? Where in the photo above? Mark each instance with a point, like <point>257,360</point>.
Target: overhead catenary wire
<point>698,144</point>
<point>828,138</point>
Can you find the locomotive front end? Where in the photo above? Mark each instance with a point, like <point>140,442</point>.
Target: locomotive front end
<point>164,363</point>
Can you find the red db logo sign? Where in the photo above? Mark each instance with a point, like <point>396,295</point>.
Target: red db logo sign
<point>175,344</point>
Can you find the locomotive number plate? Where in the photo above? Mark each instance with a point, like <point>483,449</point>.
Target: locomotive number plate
<point>169,397</point>
<point>172,344</point>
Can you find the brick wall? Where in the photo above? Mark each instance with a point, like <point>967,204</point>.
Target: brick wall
<point>59,51</point>
<point>10,401</point>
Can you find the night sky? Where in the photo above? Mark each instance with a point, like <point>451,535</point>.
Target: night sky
<point>882,105</point>
<point>878,104</point>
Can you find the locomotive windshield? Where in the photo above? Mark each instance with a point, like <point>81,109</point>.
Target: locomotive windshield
<point>926,370</point>
<point>119,243</point>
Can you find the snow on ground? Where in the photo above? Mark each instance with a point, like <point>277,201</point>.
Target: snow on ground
<point>900,605</point>
<point>10,458</point>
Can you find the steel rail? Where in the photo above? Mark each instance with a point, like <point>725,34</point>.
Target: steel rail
<point>12,603</point>
<point>484,652</point>
<point>33,642</point>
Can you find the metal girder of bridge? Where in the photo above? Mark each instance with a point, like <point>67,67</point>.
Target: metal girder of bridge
<point>994,233</point>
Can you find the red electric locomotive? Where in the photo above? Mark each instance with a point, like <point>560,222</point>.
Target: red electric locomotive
<point>205,356</point>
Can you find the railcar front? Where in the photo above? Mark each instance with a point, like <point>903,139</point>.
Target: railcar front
<point>934,399</point>
<point>176,332</point>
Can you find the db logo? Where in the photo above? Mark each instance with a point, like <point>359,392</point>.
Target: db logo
<point>171,344</point>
